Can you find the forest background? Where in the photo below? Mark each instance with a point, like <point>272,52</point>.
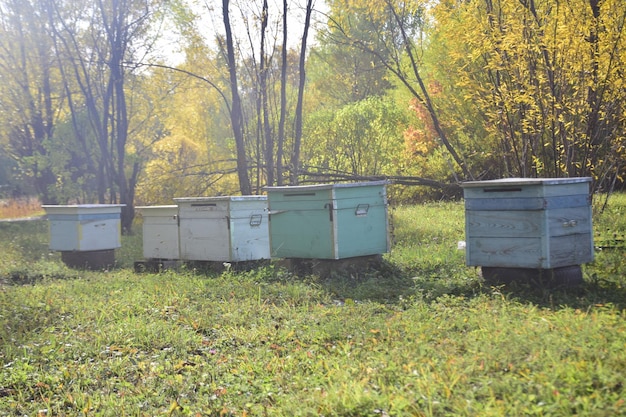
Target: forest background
<point>139,101</point>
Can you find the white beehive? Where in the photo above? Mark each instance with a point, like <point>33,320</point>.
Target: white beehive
<point>225,229</point>
<point>84,227</point>
<point>160,232</point>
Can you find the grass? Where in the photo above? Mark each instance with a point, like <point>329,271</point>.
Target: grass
<point>420,335</point>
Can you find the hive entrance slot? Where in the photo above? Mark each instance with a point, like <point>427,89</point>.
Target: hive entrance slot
<point>502,190</point>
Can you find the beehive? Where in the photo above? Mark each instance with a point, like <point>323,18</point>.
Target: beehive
<point>84,227</point>
<point>528,222</point>
<point>226,229</point>
<point>160,231</point>
<point>328,221</point>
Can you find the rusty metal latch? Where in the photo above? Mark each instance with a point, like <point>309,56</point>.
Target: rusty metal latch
<point>329,206</point>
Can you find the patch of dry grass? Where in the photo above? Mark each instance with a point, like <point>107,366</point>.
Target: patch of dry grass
<point>20,207</point>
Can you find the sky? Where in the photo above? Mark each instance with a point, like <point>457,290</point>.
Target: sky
<point>211,23</point>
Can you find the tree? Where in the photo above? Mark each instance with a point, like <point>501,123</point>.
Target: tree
<point>547,78</point>
<point>194,157</point>
<point>360,139</point>
<point>95,44</point>
<point>295,156</point>
<point>396,41</point>
<point>342,73</point>
<point>30,95</point>
<point>252,80</point>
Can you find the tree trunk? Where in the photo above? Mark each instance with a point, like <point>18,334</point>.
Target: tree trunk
<point>295,158</point>
<point>267,131</point>
<point>283,101</point>
<point>236,112</point>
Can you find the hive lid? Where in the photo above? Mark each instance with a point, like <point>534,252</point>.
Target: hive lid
<point>525,181</point>
<point>325,186</point>
<point>45,206</point>
<point>80,209</point>
<point>167,206</point>
<point>220,198</point>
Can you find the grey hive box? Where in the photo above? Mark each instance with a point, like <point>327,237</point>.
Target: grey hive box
<point>160,231</point>
<point>328,221</point>
<point>225,229</point>
<point>538,223</point>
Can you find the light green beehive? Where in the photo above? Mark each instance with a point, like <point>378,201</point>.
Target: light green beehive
<point>328,221</point>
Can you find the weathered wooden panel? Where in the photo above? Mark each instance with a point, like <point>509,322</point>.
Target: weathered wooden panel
<point>531,203</point>
<point>515,224</point>
<point>524,252</point>
<point>507,224</point>
<point>301,233</point>
<point>530,252</point>
<point>569,221</point>
<point>573,249</point>
<point>363,230</point>
<point>204,239</point>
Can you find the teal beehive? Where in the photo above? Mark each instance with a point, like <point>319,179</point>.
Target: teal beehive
<point>328,221</point>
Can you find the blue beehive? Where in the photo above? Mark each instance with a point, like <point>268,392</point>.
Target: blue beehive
<point>85,234</point>
<point>328,221</point>
<point>541,223</point>
<point>84,227</point>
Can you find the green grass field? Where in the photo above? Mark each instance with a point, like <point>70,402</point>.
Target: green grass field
<point>420,335</point>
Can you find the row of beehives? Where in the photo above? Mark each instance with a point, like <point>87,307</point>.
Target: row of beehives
<point>316,221</point>
<point>320,221</point>
<point>516,223</point>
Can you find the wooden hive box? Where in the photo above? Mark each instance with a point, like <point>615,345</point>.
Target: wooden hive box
<point>528,222</point>
<point>226,229</point>
<point>160,231</point>
<point>84,227</point>
<point>328,221</point>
